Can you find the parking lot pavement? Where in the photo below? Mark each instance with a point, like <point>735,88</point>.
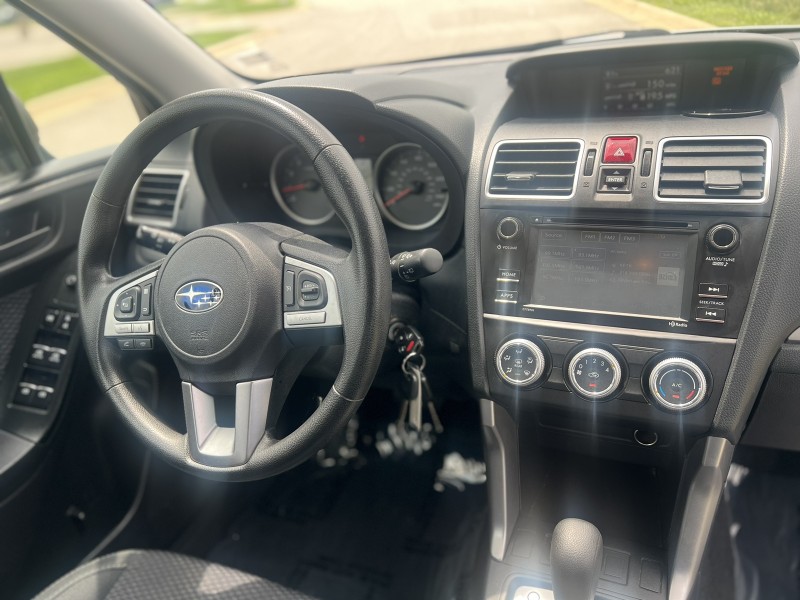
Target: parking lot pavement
<point>326,35</point>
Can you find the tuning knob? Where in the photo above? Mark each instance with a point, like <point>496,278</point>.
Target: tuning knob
<point>678,384</point>
<point>722,238</point>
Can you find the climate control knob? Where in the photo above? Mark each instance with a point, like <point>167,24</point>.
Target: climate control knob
<point>722,238</point>
<point>520,362</point>
<point>594,373</point>
<point>509,228</point>
<point>678,384</point>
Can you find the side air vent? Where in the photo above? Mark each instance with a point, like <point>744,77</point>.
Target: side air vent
<point>726,169</point>
<point>534,169</point>
<point>156,197</point>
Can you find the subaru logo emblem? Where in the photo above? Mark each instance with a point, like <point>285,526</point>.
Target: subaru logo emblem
<point>198,296</point>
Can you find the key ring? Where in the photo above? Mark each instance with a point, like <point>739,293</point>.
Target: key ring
<point>407,365</point>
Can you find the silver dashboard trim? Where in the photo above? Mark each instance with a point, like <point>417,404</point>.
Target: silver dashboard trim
<point>583,327</point>
<point>767,170</point>
<point>606,312</point>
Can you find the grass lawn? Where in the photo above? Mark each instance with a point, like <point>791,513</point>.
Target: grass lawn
<point>37,80</point>
<point>732,13</point>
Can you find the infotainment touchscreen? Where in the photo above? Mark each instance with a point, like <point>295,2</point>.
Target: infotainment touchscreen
<point>619,272</point>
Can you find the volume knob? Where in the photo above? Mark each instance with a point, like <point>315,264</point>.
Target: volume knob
<point>509,228</point>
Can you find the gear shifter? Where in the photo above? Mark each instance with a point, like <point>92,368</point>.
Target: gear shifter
<point>576,555</point>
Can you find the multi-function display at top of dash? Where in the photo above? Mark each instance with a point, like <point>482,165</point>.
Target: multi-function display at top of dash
<point>648,89</point>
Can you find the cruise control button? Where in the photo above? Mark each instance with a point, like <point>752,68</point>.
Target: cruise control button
<point>710,315</point>
<point>306,318</point>
<point>620,150</point>
<point>713,290</point>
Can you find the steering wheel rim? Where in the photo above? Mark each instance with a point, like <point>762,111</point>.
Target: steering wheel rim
<point>362,274</point>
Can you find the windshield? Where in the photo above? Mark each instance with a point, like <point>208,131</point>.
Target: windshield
<point>265,39</point>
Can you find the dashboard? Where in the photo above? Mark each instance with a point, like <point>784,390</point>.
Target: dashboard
<point>613,217</point>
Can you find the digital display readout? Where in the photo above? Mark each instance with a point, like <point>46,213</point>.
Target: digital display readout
<point>645,89</point>
<point>623,272</point>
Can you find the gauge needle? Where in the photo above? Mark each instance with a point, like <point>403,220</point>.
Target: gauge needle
<point>299,187</point>
<point>399,196</point>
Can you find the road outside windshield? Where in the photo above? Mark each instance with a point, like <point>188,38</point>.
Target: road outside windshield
<point>78,107</point>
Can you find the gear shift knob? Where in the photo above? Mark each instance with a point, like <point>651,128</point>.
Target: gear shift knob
<point>576,555</point>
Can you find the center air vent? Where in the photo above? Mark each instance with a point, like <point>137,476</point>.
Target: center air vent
<point>157,196</point>
<point>535,169</point>
<point>713,169</point>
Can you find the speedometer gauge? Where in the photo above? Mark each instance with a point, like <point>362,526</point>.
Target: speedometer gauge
<point>410,187</point>
<point>297,189</point>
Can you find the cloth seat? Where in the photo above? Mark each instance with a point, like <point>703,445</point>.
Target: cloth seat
<point>145,574</point>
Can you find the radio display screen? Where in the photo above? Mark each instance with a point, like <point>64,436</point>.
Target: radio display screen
<point>615,272</point>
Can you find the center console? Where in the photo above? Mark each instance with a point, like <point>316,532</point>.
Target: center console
<point>617,258</point>
<point>617,261</point>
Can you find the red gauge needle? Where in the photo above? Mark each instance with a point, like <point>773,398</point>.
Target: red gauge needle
<point>398,197</point>
<point>293,188</point>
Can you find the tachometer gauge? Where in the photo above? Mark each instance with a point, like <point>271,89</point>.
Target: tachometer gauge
<point>410,187</point>
<point>297,189</point>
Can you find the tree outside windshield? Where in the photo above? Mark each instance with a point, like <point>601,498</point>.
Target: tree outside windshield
<point>78,107</point>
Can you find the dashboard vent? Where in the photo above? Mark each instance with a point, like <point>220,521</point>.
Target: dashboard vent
<point>715,169</point>
<point>156,196</point>
<point>536,168</point>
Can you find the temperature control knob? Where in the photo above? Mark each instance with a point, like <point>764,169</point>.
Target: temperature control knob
<point>594,373</point>
<point>520,362</point>
<point>678,384</point>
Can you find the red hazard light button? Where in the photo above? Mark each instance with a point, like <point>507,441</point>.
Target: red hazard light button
<point>620,150</point>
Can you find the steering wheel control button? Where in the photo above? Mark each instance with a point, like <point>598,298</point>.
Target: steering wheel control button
<point>520,362</point>
<point>122,328</point>
<point>311,289</point>
<point>147,300</point>
<point>594,373</point>
<point>509,228</point>
<point>306,318</point>
<point>713,290</point>
<point>678,384</point>
<point>620,150</point>
<point>710,315</point>
<point>126,307</point>
<point>722,238</point>
<point>126,344</point>
<point>288,288</point>
<point>615,180</point>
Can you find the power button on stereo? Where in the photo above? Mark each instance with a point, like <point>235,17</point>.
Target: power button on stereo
<point>509,228</point>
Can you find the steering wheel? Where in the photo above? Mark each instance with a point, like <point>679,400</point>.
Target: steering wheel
<point>233,304</point>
